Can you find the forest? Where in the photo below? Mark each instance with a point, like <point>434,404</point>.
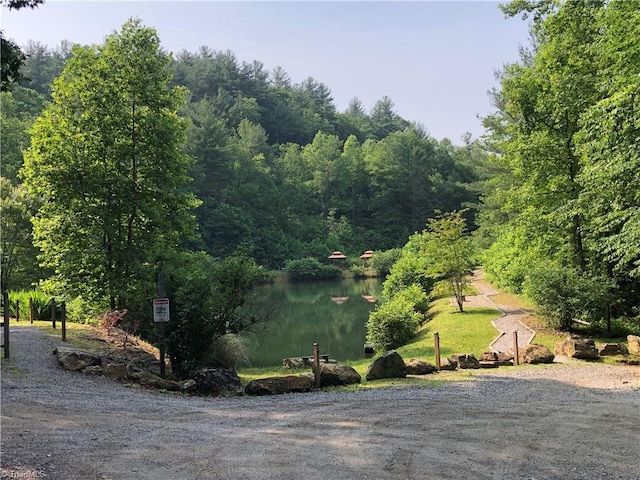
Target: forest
<point>122,160</point>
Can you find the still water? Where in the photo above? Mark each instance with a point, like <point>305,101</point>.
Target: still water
<point>332,314</point>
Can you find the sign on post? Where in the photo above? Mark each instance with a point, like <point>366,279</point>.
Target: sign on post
<point>161,310</point>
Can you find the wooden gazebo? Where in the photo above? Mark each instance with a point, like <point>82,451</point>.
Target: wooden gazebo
<point>338,258</point>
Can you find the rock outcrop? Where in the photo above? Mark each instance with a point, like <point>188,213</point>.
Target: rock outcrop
<point>219,382</point>
<point>389,365</point>
<point>466,360</point>
<point>332,375</point>
<point>534,353</point>
<point>419,367</point>
<point>576,347</point>
<point>75,359</point>
<point>279,385</point>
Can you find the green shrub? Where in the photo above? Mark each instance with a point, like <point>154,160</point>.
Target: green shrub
<point>41,303</point>
<point>392,324</point>
<point>310,269</point>
<point>563,294</point>
<point>382,262</point>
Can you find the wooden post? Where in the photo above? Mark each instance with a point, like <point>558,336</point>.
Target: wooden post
<point>53,312</point>
<point>63,313</point>
<point>316,364</point>
<point>436,344</point>
<point>515,348</point>
<point>17,310</point>
<point>5,323</point>
<point>31,314</point>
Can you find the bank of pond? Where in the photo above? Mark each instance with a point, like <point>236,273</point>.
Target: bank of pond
<point>333,314</point>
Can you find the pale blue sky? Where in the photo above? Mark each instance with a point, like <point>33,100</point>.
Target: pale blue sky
<point>434,59</point>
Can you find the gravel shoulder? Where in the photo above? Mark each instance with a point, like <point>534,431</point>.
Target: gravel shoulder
<point>568,421</point>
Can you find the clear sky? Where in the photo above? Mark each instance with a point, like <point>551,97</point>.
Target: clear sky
<point>435,59</point>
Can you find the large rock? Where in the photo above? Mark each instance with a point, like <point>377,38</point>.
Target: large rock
<point>146,378</point>
<point>293,362</point>
<point>278,385</point>
<point>389,365</point>
<point>610,349</point>
<point>419,367</point>
<point>116,371</point>
<point>217,382</point>
<point>332,375</point>
<point>634,344</point>
<point>448,364</point>
<point>466,360</point>
<point>576,347</point>
<point>534,353</point>
<point>75,359</point>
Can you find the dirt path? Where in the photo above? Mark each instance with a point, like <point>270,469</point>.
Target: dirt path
<point>508,323</point>
<point>566,422</point>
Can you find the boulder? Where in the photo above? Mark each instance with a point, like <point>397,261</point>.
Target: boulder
<point>576,347</point>
<point>534,353</point>
<point>389,365</point>
<point>489,364</point>
<point>488,356</point>
<point>93,370</point>
<point>332,375</point>
<point>466,360</point>
<point>217,382</point>
<point>278,385</point>
<point>610,349</point>
<point>419,367</point>
<point>634,344</point>
<point>75,359</point>
<point>293,362</point>
<point>146,378</point>
<point>448,364</point>
<point>117,371</point>
<point>188,385</point>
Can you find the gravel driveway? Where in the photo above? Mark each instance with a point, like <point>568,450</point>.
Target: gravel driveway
<point>571,421</point>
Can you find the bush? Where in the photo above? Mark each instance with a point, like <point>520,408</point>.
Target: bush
<point>310,269</point>
<point>563,294</point>
<point>382,262</point>
<point>392,324</point>
<point>41,303</point>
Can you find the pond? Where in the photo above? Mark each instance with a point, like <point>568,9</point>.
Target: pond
<point>332,314</point>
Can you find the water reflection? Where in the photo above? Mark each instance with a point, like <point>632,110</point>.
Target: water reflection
<point>333,314</point>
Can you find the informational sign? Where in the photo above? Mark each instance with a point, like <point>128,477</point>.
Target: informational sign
<point>161,310</point>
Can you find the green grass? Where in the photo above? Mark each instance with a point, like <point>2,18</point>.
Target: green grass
<point>468,332</point>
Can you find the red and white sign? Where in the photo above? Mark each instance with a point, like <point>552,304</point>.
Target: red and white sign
<point>161,310</point>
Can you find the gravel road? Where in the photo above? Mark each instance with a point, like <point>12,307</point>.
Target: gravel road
<point>570,421</point>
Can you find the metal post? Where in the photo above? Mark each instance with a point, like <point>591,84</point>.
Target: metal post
<point>316,364</point>
<point>63,312</point>
<point>53,312</point>
<point>5,319</point>
<point>161,326</point>
<point>436,343</point>
<point>515,348</point>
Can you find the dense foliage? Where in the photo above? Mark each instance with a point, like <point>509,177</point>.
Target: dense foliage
<point>564,203</point>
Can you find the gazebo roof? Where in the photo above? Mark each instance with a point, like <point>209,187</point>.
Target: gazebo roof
<point>367,254</point>
<point>337,256</point>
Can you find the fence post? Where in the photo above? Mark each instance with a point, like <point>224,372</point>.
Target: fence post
<point>31,315</point>
<point>17,310</point>
<point>53,312</point>
<point>316,364</point>
<point>5,323</point>
<point>436,342</point>
<point>515,348</point>
<point>63,312</point>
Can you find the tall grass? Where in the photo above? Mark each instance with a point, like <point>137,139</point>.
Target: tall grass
<point>41,304</point>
